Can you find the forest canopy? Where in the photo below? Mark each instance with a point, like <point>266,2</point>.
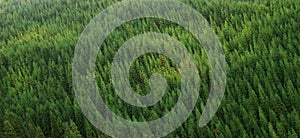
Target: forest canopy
<point>260,39</point>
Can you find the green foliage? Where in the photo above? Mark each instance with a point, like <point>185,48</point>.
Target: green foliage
<point>8,130</point>
<point>261,42</point>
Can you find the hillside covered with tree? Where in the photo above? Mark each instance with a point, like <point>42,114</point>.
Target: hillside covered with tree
<point>261,41</point>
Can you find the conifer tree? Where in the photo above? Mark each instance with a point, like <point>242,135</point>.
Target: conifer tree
<point>8,130</point>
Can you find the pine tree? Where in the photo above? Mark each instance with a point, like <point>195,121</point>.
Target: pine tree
<point>9,131</point>
<point>56,130</point>
<point>272,132</point>
<point>292,134</point>
<point>74,133</point>
<point>89,130</point>
<point>39,133</point>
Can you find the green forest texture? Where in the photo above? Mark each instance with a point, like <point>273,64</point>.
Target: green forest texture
<point>261,41</point>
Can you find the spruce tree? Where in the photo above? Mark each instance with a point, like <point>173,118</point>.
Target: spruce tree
<point>8,130</point>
